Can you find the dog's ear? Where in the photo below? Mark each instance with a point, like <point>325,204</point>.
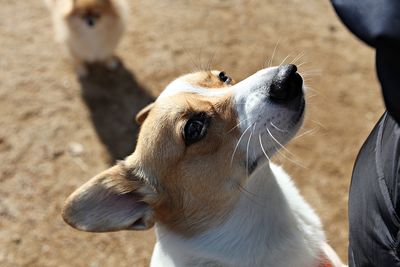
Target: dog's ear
<point>110,201</point>
<point>67,7</point>
<point>142,115</point>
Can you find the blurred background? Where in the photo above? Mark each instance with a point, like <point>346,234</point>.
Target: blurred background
<point>58,131</point>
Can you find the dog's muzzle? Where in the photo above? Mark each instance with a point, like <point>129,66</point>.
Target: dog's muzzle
<point>91,19</point>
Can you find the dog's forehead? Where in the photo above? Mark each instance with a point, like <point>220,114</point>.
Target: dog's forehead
<point>181,85</point>
<point>89,3</point>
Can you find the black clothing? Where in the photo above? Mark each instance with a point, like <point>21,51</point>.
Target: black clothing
<point>374,201</point>
<point>377,22</point>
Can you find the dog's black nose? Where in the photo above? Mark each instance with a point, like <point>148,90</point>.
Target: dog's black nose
<point>90,20</point>
<point>286,84</point>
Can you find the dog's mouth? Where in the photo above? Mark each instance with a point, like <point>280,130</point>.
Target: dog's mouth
<point>267,152</point>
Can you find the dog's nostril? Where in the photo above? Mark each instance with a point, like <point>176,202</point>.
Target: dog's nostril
<point>90,20</point>
<point>286,84</point>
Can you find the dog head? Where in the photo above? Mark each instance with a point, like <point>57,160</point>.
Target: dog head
<point>198,145</point>
<point>89,12</point>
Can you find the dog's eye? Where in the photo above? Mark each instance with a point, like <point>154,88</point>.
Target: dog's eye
<point>224,78</point>
<point>195,128</point>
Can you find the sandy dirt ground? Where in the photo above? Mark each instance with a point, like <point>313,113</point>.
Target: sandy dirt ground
<point>58,131</point>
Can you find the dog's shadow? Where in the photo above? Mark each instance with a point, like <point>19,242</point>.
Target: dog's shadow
<point>114,98</point>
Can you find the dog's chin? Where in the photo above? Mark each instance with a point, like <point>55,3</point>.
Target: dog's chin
<point>292,130</point>
<point>253,165</point>
<point>299,117</point>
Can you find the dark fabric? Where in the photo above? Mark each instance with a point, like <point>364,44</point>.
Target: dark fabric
<point>374,201</point>
<point>377,22</point>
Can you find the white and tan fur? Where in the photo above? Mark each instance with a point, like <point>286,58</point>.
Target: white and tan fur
<point>89,44</point>
<point>208,206</point>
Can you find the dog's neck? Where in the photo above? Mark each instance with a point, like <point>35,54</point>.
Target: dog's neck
<point>262,228</point>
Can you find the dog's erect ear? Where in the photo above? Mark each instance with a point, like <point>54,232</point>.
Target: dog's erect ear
<point>142,115</point>
<point>67,7</point>
<point>110,201</point>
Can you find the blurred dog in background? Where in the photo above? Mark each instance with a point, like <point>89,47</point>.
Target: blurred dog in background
<point>90,29</point>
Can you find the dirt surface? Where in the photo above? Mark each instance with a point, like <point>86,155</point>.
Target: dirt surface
<point>58,131</point>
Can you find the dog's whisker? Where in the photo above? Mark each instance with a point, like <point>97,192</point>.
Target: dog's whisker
<point>308,73</point>
<point>187,52</point>
<point>318,123</point>
<point>238,142</point>
<point>249,195</point>
<point>283,61</point>
<point>308,132</point>
<point>276,141</point>
<point>203,58</point>
<point>244,190</point>
<point>271,61</point>
<point>265,64</point>
<point>294,161</point>
<point>262,148</point>
<point>303,63</point>
<point>309,88</point>
<point>307,79</point>
<point>311,96</point>
<point>276,127</point>
<point>285,149</point>
<point>297,58</point>
<point>247,150</point>
<point>237,125</point>
<point>199,57</point>
<point>211,59</point>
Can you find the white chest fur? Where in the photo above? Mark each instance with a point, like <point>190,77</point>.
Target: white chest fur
<point>272,226</point>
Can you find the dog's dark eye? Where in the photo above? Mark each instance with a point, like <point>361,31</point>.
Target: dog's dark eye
<point>195,128</point>
<point>224,78</point>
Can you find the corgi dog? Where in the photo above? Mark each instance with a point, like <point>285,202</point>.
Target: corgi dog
<point>90,29</point>
<point>201,174</point>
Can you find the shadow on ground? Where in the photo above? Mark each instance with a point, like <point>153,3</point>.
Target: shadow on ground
<point>114,98</point>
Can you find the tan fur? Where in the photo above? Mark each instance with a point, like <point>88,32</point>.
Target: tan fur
<point>94,205</point>
<point>207,79</point>
<point>187,187</point>
<point>142,115</point>
<point>103,7</point>
<point>186,202</point>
